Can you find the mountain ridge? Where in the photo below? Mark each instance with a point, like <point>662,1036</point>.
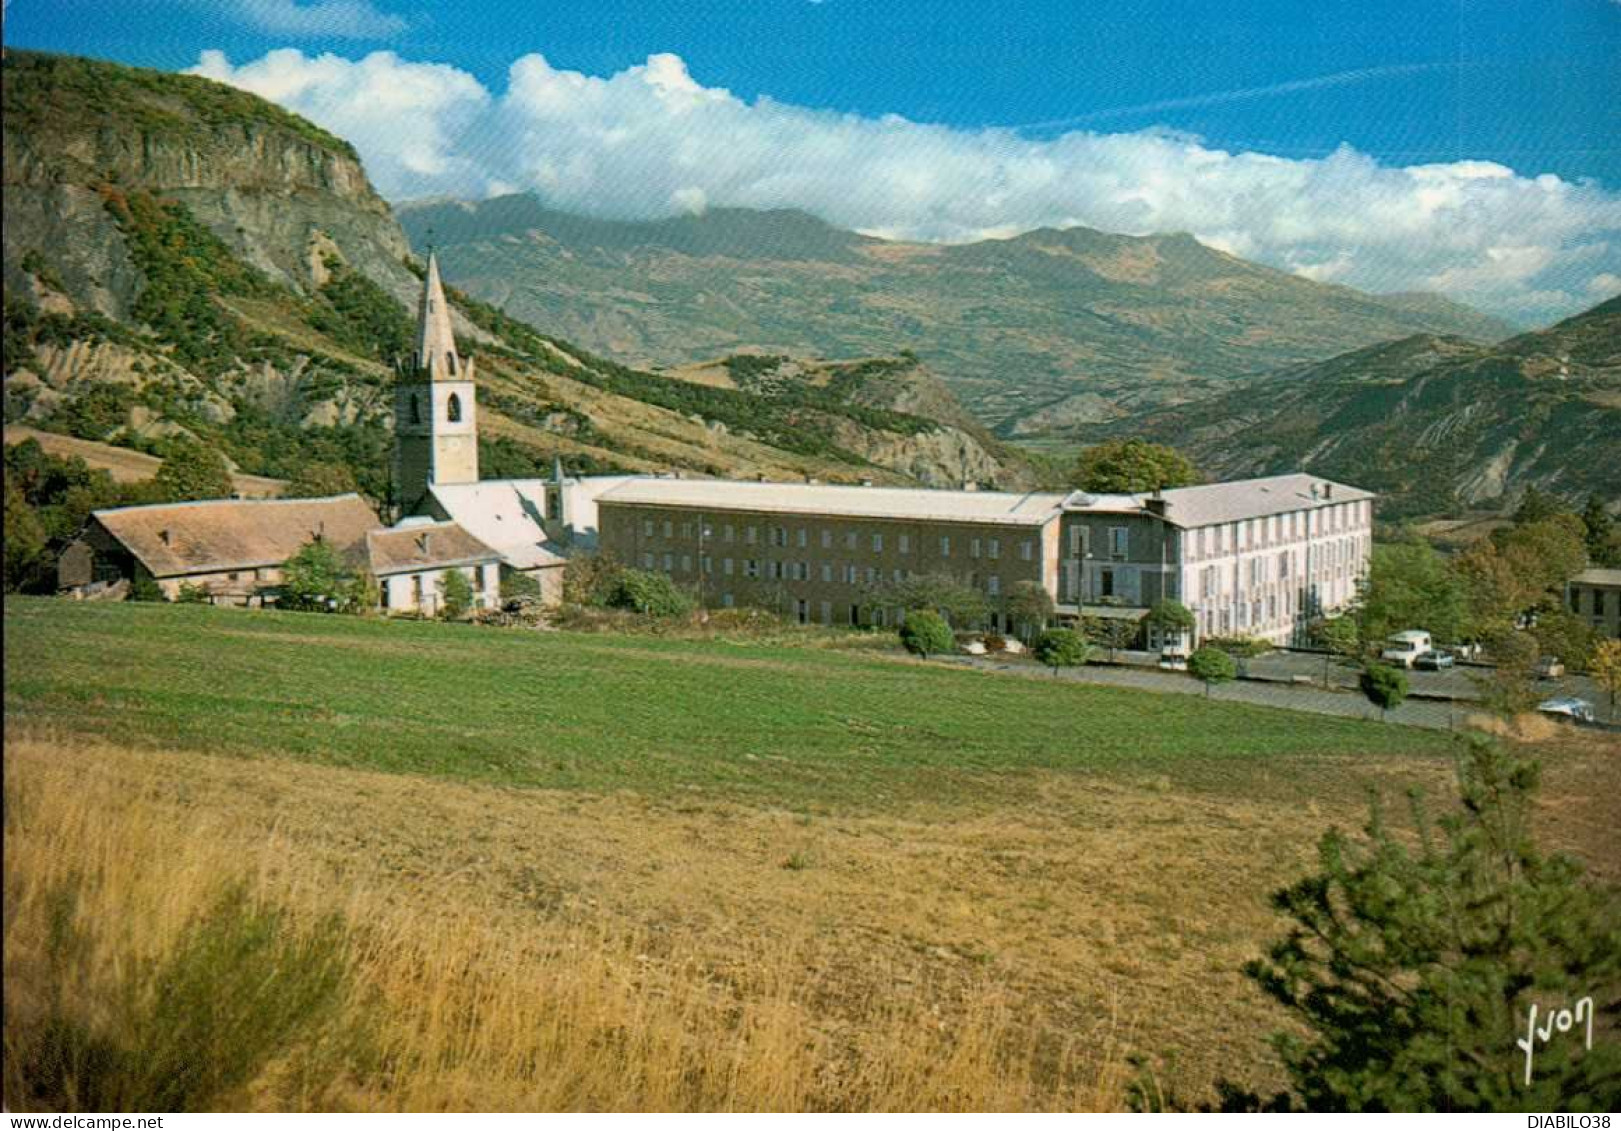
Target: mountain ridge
<point>1434,424</point>
<point>1036,333</point>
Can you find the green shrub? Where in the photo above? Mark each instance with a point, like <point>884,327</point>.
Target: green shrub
<point>193,594</point>
<point>184,1033</point>
<point>517,586</point>
<point>651,594</point>
<point>144,588</point>
<point>316,579</point>
<point>1060,648</point>
<point>925,632</point>
<point>591,580</point>
<point>1385,686</point>
<point>1211,666</point>
<point>455,594</point>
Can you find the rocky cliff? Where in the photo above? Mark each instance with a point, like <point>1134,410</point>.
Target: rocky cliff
<point>276,190</point>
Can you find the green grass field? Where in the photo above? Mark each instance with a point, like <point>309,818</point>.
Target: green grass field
<point>796,727</point>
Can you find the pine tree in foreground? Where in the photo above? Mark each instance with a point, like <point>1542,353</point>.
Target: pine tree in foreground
<point>1414,963</point>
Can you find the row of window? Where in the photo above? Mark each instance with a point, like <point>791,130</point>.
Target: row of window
<point>1253,533</point>
<point>1333,559</point>
<point>801,537</point>
<point>754,569</point>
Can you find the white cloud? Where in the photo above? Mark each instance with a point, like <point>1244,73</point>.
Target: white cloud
<point>338,19</point>
<point>652,141</point>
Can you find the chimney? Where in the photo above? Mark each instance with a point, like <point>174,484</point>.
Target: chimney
<point>163,536</point>
<point>425,542</point>
<point>1328,490</point>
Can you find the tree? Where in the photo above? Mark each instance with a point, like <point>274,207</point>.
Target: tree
<point>25,540</point>
<point>316,579</point>
<point>1606,668</point>
<point>1510,687</point>
<point>1410,586</point>
<point>1535,506</point>
<point>591,579</point>
<point>193,471</point>
<point>1029,608</point>
<point>1385,686</point>
<point>1566,635</point>
<point>1113,632</point>
<point>1133,465</point>
<point>1521,569</point>
<point>1060,648</point>
<point>1600,537</point>
<point>1211,666</point>
<point>1413,962</point>
<point>1170,618</point>
<point>320,480</point>
<point>1340,637</point>
<point>924,632</point>
<point>962,605</point>
<point>455,594</point>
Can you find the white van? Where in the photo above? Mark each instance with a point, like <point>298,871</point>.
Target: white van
<point>1405,647</point>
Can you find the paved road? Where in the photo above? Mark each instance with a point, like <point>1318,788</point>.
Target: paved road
<point>1273,690</point>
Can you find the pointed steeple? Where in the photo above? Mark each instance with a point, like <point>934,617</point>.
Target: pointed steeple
<point>436,342</point>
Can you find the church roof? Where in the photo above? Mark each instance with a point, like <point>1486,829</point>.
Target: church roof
<point>507,514</point>
<point>214,535</point>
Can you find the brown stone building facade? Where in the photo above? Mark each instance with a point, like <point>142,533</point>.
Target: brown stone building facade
<point>818,553</point>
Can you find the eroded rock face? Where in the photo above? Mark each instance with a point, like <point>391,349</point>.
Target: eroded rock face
<point>942,458</point>
<point>266,192</point>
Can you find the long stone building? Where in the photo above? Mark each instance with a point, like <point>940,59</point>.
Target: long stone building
<point>1258,557</point>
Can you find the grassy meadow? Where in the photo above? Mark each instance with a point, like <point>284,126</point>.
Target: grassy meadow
<point>514,869</point>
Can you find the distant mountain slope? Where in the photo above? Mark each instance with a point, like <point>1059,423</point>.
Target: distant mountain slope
<point>1035,333</point>
<point>182,258</point>
<point>1432,423</point>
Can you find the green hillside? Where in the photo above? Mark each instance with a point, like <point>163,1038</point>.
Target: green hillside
<point>1034,333</point>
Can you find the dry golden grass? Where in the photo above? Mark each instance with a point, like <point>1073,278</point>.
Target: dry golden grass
<point>525,949</point>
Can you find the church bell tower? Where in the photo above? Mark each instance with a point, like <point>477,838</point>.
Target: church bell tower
<point>435,414</point>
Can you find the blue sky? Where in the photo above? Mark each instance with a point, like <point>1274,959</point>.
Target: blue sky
<point>1019,113</point>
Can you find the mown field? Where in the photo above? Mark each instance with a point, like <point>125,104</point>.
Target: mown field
<point>513,869</point>
<point>786,726</point>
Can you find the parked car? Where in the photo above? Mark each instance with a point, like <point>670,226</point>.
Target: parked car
<point>1435,661</point>
<point>1405,647</point>
<point>1568,707</point>
<point>1549,667</point>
